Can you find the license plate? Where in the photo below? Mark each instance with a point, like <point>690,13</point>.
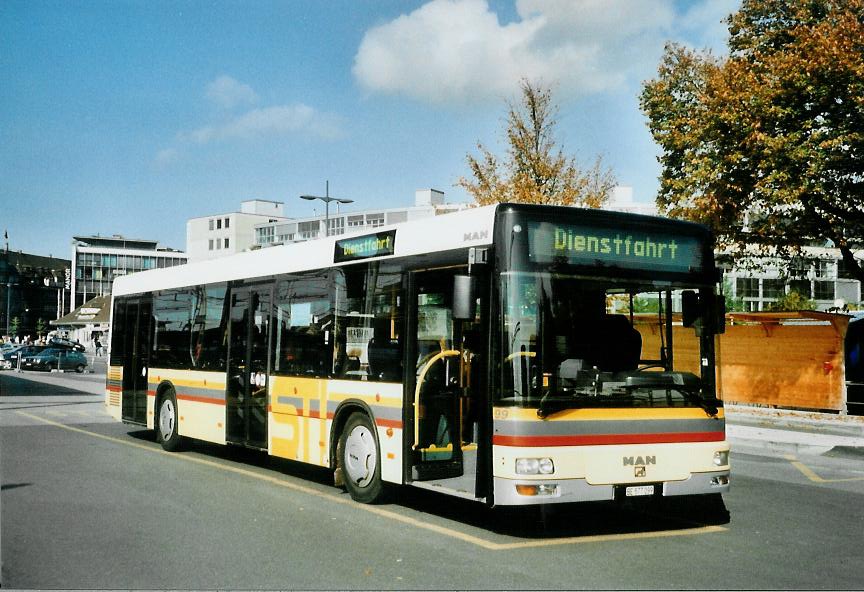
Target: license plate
<point>637,490</point>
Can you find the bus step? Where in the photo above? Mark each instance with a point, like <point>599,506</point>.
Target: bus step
<point>431,471</point>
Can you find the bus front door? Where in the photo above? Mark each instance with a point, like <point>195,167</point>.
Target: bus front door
<point>248,347</point>
<point>444,393</point>
<point>135,360</point>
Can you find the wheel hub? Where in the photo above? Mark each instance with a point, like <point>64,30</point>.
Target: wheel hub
<point>360,455</point>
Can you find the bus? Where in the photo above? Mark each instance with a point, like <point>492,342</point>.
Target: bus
<point>508,354</point>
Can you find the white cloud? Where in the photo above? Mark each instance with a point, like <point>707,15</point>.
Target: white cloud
<point>167,156</point>
<point>278,120</point>
<point>459,51</point>
<point>228,93</point>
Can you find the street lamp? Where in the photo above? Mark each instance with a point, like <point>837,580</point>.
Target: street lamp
<point>326,199</point>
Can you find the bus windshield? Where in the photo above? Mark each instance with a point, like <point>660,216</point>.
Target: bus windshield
<point>569,341</point>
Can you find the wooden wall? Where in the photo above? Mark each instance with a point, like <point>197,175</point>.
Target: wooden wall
<point>770,358</point>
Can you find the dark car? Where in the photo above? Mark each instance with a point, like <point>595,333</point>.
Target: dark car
<point>10,358</point>
<point>62,342</point>
<point>55,358</point>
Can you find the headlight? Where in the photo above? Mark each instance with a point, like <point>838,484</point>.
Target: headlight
<point>534,466</point>
<point>721,458</point>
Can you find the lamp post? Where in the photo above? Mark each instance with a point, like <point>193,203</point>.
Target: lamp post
<point>327,199</point>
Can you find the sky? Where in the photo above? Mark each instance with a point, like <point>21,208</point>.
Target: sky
<point>130,117</point>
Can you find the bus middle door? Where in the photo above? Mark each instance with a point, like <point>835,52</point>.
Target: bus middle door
<point>248,348</point>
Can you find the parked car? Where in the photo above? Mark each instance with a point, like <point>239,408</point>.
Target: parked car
<point>55,358</point>
<point>67,343</point>
<point>10,358</point>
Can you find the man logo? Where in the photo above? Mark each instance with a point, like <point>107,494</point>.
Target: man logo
<point>473,236</point>
<point>640,471</point>
<point>639,460</point>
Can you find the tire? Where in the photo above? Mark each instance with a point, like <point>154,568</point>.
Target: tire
<point>79,368</point>
<point>167,433</point>
<point>360,459</point>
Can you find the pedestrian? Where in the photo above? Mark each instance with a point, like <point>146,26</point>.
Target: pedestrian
<point>98,345</point>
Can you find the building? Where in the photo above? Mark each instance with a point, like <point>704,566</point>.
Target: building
<point>819,275</point>
<point>33,291</point>
<point>97,260</point>
<point>217,235</point>
<point>427,202</point>
<point>87,323</point>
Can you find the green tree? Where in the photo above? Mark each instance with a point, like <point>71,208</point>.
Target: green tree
<point>535,170</point>
<point>14,326</point>
<point>790,302</point>
<point>767,145</point>
<point>40,328</point>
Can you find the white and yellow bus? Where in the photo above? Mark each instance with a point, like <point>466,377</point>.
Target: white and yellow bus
<point>507,354</point>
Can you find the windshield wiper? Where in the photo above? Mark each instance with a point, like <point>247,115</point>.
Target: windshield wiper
<point>549,406</point>
<point>684,382</point>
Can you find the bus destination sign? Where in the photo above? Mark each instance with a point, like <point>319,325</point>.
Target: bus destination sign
<point>630,249</point>
<point>366,246</point>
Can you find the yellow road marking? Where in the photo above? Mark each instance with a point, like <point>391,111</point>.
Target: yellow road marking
<point>810,474</point>
<point>345,500</point>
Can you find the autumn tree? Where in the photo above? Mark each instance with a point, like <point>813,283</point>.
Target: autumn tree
<point>535,170</point>
<point>767,145</point>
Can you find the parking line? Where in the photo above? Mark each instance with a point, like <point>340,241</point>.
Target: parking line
<point>811,474</point>
<point>345,500</point>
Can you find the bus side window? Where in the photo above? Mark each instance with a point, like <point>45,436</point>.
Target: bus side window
<point>303,326</point>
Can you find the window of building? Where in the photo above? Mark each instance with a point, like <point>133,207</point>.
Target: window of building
<point>824,269</point>
<point>210,244</point>
<point>336,226</point>
<point>823,290</point>
<point>309,229</point>
<point>355,221</point>
<point>219,224</point>
<point>802,287</point>
<point>773,288</point>
<point>375,220</point>
<point>226,243</point>
<point>747,287</point>
<point>227,222</point>
<point>212,224</point>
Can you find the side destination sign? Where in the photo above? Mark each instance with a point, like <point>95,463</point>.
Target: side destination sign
<point>363,247</point>
<point>631,249</point>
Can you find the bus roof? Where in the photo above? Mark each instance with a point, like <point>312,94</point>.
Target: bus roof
<point>466,228</point>
<point>473,227</point>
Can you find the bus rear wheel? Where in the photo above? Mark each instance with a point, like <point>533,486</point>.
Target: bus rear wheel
<point>167,432</point>
<point>360,459</point>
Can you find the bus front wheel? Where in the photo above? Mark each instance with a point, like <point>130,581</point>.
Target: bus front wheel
<point>360,459</point>
<point>167,433</point>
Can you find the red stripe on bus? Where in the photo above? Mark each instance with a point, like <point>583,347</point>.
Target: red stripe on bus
<point>601,439</point>
<point>201,399</point>
<point>115,389</point>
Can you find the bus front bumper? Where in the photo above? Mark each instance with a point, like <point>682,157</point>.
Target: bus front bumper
<point>519,492</point>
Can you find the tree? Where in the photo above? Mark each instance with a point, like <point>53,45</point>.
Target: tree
<point>14,326</point>
<point>791,302</point>
<point>534,170</point>
<point>767,146</point>
<point>40,327</point>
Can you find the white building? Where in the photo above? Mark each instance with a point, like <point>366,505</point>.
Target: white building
<point>216,235</point>
<point>427,202</point>
<point>819,275</point>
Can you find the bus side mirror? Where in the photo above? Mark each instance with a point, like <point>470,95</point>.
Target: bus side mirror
<point>464,299</point>
<point>689,308</point>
